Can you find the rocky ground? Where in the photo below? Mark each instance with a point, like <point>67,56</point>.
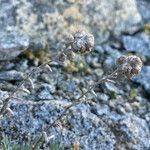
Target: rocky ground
<point>118,118</point>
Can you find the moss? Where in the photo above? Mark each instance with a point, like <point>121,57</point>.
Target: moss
<point>113,95</point>
<point>73,67</point>
<point>133,93</point>
<point>147,28</point>
<point>39,56</point>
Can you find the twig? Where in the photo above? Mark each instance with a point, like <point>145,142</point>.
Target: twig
<point>76,102</point>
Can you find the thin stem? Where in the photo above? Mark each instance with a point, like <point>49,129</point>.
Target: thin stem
<point>6,101</point>
<point>76,102</point>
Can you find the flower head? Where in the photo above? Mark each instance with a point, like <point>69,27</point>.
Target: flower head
<point>81,42</point>
<point>129,65</point>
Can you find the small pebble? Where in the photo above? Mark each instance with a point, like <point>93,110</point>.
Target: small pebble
<point>128,107</point>
<point>136,104</point>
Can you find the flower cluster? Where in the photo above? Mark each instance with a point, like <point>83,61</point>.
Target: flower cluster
<point>81,42</point>
<point>129,65</point>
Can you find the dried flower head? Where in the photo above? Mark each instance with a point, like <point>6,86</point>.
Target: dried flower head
<point>121,60</point>
<point>129,65</point>
<point>81,42</point>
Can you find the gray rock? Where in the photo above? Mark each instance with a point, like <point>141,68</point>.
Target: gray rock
<point>139,43</point>
<point>144,77</point>
<point>144,7</point>
<point>71,86</point>
<point>109,63</point>
<point>111,87</point>
<point>67,86</point>
<point>8,66</point>
<point>22,65</point>
<point>120,109</point>
<point>93,61</point>
<point>94,127</point>
<point>47,19</point>
<point>102,97</point>
<point>99,49</point>
<point>99,72</point>
<point>44,95</point>
<point>128,107</point>
<point>147,117</point>
<point>86,127</point>
<point>45,92</point>
<point>130,131</point>
<point>12,75</point>
<point>49,87</point>
<point>12,44</point>
<point>3,94</point>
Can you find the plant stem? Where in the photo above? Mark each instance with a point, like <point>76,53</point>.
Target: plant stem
<point>76,102</point>
<point>6,101</point>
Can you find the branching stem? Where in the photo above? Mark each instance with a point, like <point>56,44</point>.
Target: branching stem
<point>76,102</point>
<point>6,101</point>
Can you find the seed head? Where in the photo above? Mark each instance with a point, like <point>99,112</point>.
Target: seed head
<point>81,42</point>
<point>121,60</point>
<point>129,65</point>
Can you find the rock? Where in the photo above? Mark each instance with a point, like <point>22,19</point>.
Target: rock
<point>99,49</point>
<point>110,87</point>
<point>139,44</point>
<point>120,109</point>
<point>67,86</point>
<point>50,20</point>
<point>144,7</point>
<point>86,127</point>
<point>130,131</point>
<point>128,107</point>
<point>12,44</point>
<point>112,103</point>
<point>11,75</point>
<point>22,65</point>
<point>51,88</point>
<point>8,66</point>
<point>109,63</point>
<point>71,86</point>
<point>102,97</point>
<point>94,127</point>
<point>3,94</point>
<point>147,117</point>
<point>143,78</point>
<point>135,105</point>
<point>45,91</point>
<point>99,72</point>
<point>93,61</point>
<point>44,95</point>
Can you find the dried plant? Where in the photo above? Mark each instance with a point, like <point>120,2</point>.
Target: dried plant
<point>127,67</point>
<point>79,42</point>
